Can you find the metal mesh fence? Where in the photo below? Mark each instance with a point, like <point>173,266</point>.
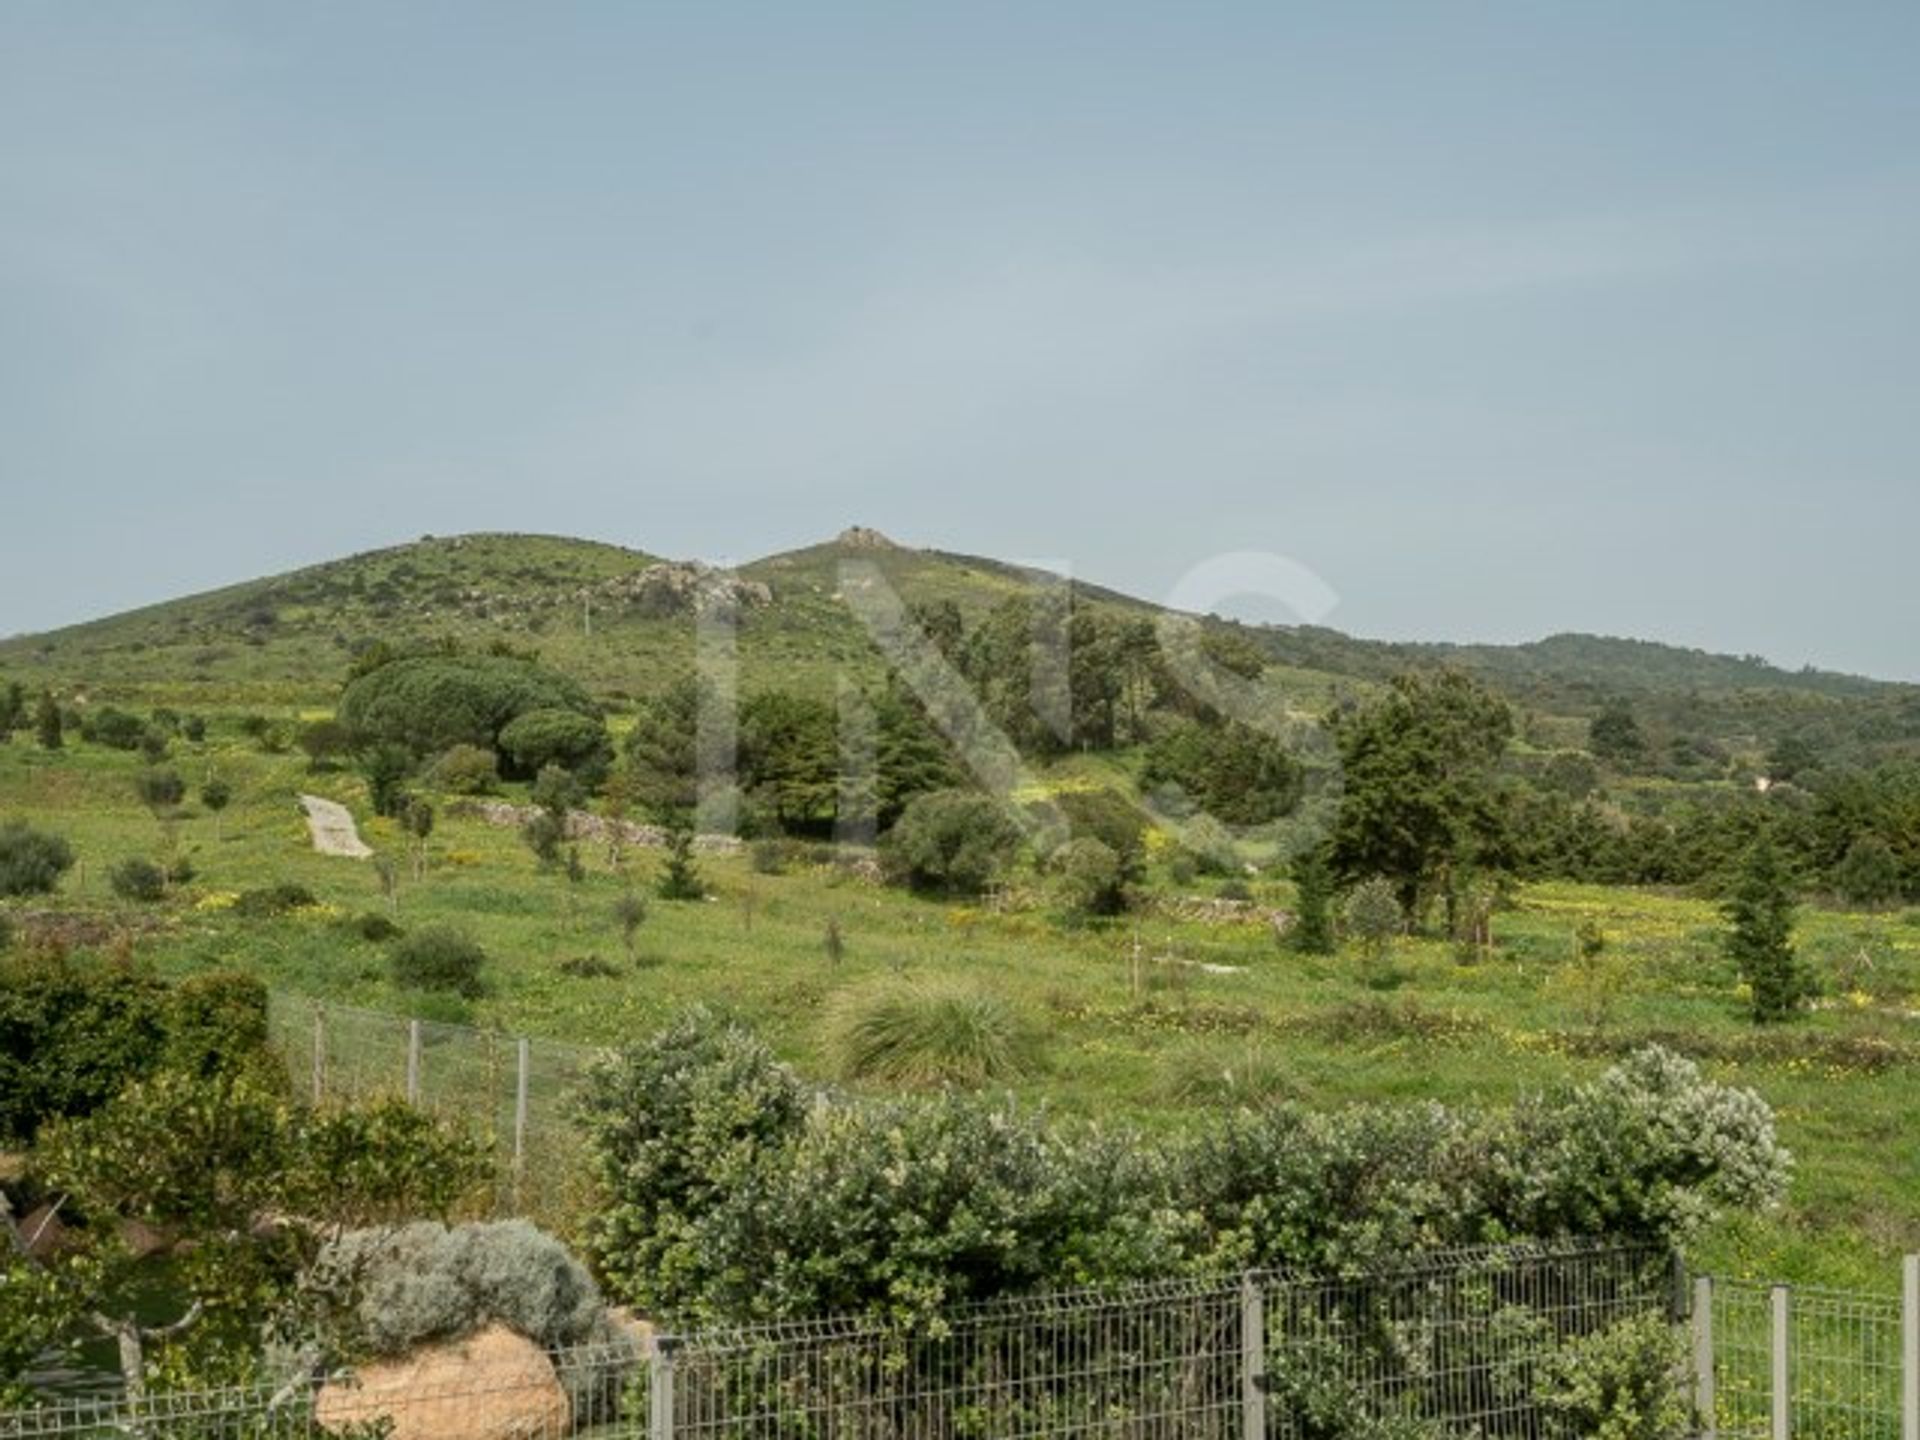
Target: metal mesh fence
<point>1802,1361</point>
<point>1446,1345</point>
<point>510,1093</point>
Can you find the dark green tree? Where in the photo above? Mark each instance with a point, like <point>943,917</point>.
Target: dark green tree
<point>680,876</point>
<point>48,725</point>
<point>386,768</point>
<point>215,796</point>
<point>13,709</point>
<point>1869,873</point>
<point>1312,932</point>
<point>1420,798</point>
<point>1759,935</point>
<point>1614,736</point>
<point>789,758</point>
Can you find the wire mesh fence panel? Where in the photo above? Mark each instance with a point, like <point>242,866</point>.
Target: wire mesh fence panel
<point>1453,1343</point>
<point>1159,1362</point>
<point>1842,1378</point>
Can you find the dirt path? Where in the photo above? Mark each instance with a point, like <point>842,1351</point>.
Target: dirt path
<point>333,830</point>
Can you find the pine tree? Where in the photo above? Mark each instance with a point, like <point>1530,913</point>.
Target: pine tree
<point>1759,936</point>
<point>680,880</point>
<point>1313,903</point>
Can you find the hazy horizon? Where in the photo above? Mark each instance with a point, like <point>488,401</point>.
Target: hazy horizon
<point>1503,323</point>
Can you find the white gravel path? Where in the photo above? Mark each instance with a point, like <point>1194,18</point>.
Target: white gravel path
<point>333,830</point>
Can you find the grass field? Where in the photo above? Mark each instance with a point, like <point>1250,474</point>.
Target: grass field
<point>1147,1019</point>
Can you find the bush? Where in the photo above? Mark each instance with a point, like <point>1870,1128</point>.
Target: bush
<point>427,704</point>
<point>274,901</point>
<point>575,742</point>
<point>1233,772</point>
<point>1089,877</point>
<point>31,861</point>
<point>217,1025</point>
<point>375,927</point>
<point>927,1034</point>
<point>1112,819</point>
<point>136,879</point>
<point>392,1290</point>
<point>382,1163</point>
<point>71,1037</point>
<point>116,729</point>
<point>951,841</point>
<point>160,789</point>
<point>674,1124</point>
<point>1618,1383</point>
<point>466,770</point>
<point>439,958</point>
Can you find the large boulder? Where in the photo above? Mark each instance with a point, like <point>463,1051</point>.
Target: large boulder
<point>493,1385</point>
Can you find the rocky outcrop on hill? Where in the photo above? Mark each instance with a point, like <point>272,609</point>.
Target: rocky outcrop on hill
<point>682,587</point>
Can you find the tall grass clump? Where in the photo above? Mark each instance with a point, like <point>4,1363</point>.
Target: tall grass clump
<point>930,1034</point>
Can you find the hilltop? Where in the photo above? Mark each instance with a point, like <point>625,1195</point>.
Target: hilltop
<point>620,619</point>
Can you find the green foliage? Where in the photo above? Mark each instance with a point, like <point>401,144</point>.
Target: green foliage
<point>71,1037</point>
<point>216,1024</point>
<point>466,770</point>
<point>1087,876</point>
<point>116,729</point>
<point>427,704</point>
<point>216,795</point>
<point>953,842</point>
<point>678,1124</point>
<point>48,725</point>
<point>139,880</point>
<point>381,1163</point>
<point>386,767</point>
<point>1619,1383</point>
<point>1420,798</point>
<point>790,758</point>
<point>575,742</point>
<point>1230,771</point>
<point>382,1292</point>
<point>680,875</point>
<point>1312,932</point>
<point>438,958</point>
<point>544,834</point>
<point>1615,737</point>
<point>271,901</point>
<point>324,742</point>
<point>1374,916</point>
<point>31,861</point>
<point>924,1034</point>
<point>1869,873</point>
<point>1112,819</point>
<point>630,913</point>
<point>1759,935</point>
<point>160,790</point>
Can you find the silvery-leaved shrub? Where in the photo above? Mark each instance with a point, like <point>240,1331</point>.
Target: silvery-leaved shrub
<point>1620,1383</point>
<point>1651,1151</point>
<point>382,1292</point>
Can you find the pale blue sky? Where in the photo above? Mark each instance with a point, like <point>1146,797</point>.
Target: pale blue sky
<point>1503,319</point>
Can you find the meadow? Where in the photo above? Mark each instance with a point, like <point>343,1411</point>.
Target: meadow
<point>1186,1006</point>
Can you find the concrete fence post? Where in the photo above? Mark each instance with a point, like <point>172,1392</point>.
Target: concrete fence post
<point>319,1053</point>
<point>413,1062</point>
<point>1910,1348</point>
<point>660,1391</point>
<point>1781,1366</point>
<point>1705,1401</point>
<point>1253,1360</point>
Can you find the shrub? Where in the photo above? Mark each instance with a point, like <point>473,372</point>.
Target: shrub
<point>1618,1383</point>
<point>951,841</point>
<point>136,879</point>
<point>391,1290</point>
<point>116,729</point>
<point>217,1024</point>
<point>382,1163</point>
<point>674,1124</point>
<point>6,932</point>
<point>160,789</point>
<point>1112,819</point>
<point>439,958</point>
<point>466,770</point>
<point>71,1037</point>
<point>375,927</point>
<point>1089,877</point>
<point>575,742</point>
<point>386,768</point>
<point>428,704</point>
<point>273,901</point>
<point>680,876</point>
<point>324,742</point>
<point>1312,932</point>
<point>31,861</point>
<point>1233,772</point>
<point>928,1034</point>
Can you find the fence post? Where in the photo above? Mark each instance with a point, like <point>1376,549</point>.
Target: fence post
<point>660,1391</point>
<point>1705,1402</point>
<point>1910,1348</point>
<point>523,1058</point>
<point>1781,1366</point>
<point>319,1053</point>
<point>1253,1360</point>
<point>413,1062</point>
